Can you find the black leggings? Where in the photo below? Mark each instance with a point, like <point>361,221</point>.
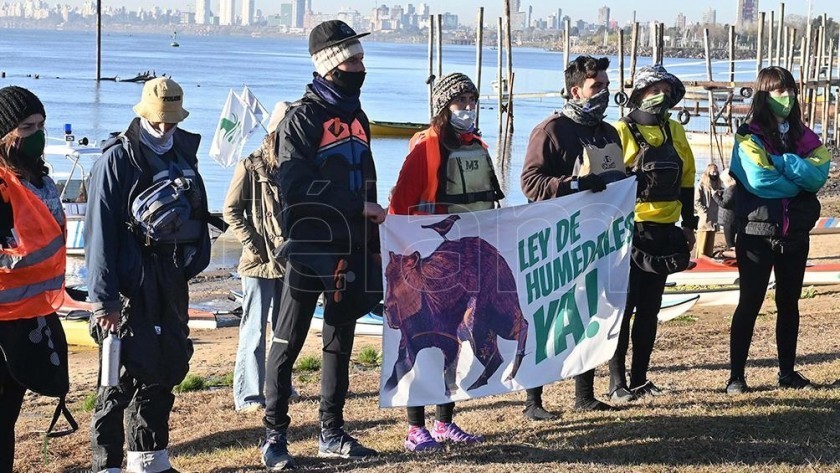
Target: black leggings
<point>584,391</point>
<point>11,400</point>
<point>417,414</point>
<point>644,295</point>
<point>757,256</point>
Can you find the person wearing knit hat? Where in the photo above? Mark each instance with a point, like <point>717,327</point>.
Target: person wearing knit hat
<point>146,236</point>
<point>32,266</point>
<point>327,179</point>
<point>447,170</point>
<point>657,151</point>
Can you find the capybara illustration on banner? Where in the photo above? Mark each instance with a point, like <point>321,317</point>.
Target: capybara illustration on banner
<point>463,291</point>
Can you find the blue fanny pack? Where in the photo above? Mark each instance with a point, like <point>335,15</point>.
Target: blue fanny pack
<point>160,211</point>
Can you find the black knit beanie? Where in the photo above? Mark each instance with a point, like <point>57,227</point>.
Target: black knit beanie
<point>16,104</point>
<point>448,87</point>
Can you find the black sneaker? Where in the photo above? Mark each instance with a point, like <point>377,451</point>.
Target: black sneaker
<point>275,451</point>
<point>621,395</point>
<point>648,389</point>
<point>538,413</point>
<point>594,405</point>
<point>795,381</point>
<point>339,444</point>
<point>737,385</point>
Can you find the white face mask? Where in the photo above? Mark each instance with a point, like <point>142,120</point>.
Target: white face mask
<point>157,141</point>
<point>463,120</point>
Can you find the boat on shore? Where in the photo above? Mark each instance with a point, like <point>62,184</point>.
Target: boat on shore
<point>395,129</point>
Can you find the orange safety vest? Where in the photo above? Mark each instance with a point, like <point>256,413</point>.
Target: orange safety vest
<point>431,140</point>
<point>31,272</point>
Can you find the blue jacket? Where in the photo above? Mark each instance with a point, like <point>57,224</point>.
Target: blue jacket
<point>113,253</point>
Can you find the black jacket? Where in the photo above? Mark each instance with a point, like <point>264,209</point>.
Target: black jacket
<point>320,205</point>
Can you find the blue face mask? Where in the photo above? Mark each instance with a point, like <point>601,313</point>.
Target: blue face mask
<point>463,120</point>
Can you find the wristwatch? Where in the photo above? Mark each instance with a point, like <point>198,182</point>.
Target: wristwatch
<point>574,185</point>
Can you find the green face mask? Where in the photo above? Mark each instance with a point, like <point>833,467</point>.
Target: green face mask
<point>32,147</point>
<point>655,104</point>
<point>780,106</point>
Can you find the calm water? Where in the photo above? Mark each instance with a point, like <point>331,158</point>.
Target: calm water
<point>275,69</point>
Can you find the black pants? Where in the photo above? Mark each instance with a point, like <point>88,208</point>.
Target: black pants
<point>756,257</point>
<point>584,391</point>
<point>644,295</point>
<point>729,234</point>
<point>417,414</point>
<point>297,305</point>
<point>144,407</point>
<point>11,400</point>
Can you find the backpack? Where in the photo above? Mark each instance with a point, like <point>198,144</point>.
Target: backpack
<point>159,211</point>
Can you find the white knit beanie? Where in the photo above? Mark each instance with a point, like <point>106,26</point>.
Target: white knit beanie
<point>330,57</point>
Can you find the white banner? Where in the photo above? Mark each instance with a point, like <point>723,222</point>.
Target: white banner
<point>491,302</point>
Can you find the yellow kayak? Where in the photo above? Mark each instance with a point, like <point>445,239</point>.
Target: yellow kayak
<point>396,129</point>
<point>77,333</point>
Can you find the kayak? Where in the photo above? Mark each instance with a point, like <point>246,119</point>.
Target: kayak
<point>711,272</point>
<point>675,306</point>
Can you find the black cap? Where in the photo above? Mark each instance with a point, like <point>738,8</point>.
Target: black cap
<point>330,33</point>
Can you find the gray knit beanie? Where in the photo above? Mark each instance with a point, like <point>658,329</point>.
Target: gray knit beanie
<point>16,104</point>
<point>448,87</point>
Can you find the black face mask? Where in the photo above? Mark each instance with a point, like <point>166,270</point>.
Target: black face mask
<point>348,82</point>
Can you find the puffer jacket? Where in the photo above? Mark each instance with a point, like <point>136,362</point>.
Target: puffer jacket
<point>252,209</point>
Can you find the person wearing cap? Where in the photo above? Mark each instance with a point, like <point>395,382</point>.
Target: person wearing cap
<point>138,274</point>
<point>327,182</point>
<point>33,348</point>
<point>657,152</point>
<point>559,150</point>
<point>448,170</point>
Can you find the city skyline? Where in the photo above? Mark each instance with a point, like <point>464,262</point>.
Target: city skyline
<point>620,11</point>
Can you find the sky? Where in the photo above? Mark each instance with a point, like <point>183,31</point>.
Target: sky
<point>621,10</point>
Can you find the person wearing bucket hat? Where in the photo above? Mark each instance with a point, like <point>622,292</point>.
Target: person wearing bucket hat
<point>327,181</point>
<point>560,152</point>
<point>656,150</point>
<point>33,348</point>
<point>146,234</point>
<point>426,186</point>
<point>779,165</point>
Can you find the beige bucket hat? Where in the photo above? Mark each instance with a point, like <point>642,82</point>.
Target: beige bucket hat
<point>162,101</point>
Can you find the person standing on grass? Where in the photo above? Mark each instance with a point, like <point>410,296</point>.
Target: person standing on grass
<point>33,348</point>
<point>706,204</point>
<point>779,165</point>
<point>557,149</point>
<point>327,181</point>
<point>252,209</point>
<point>436,179</point>
<point>657,151</point>
<point>139,264</point>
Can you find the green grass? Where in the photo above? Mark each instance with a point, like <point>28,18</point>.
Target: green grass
<point>370,357</point>
<point>89,402</point>
<point>809,292</point>
<point>191,383</point>
<point>224,381</point>
<point>308,363</point>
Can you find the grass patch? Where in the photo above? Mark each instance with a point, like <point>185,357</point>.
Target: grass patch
<point>701,287</point>
<point>89,402</point>
<point>686,319</point>
<point>224,381</point>
<point>809,292</point>
<point>191,383</point>
<point>308,363</point>
<point>370,357</point>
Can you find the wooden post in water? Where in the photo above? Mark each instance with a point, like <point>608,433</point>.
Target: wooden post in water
<point>634,51</point>
<point>791,47</point>
<point>827,91</point>
<point>712,128</point>
<point>759,43</point>
<point>479,49</point>
<point>621,67</point>
<point>803,54</point>
<point>662,43</point>
<point>770,37</point>
<point>780,45</point>
<point>567,43</point>
<point>98,40</point>
<point>508,44</point>
<point>815,76</point>
<point>731,75</point>
<point>499,50</point>
<point>430,80</point>
<point>439,23</point>
<point>655,36</point>
<point>836,129</point>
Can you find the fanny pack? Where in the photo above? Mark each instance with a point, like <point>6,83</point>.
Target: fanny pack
<point>660,248</point>
<point>159,211</point>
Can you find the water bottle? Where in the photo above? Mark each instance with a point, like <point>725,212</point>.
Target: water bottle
<point>110,368</point>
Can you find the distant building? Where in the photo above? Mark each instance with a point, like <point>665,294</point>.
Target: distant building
<point>247,12</point>
<point>352,18</point>
<point>227,12</point>
<point>747,13</point>
<point>680,24</point>
<point>202,12</point>
<point>298,13</point>
<point>710,17</point>
<point>604,16</point>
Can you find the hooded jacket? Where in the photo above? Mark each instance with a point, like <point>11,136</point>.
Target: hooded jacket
<point>113,252</point>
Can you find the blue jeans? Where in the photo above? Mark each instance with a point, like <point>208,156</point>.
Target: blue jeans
<point>261,297</point>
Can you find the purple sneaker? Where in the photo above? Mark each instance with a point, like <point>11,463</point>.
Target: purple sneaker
<point>450,431</point>
<point>420,440</point>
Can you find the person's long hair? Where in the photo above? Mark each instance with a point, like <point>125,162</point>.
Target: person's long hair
<point>769,79</point>
<point>448,135</point>
<point>12,161</point>
<point>706,180</point>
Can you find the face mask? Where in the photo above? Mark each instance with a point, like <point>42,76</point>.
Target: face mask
<point>589,111</point>
<point>463,120</point>
<point>655,104</point>
<point>32,147</point>
<point>159,142</point>
<point>780,106</point>
<point>348,82</point>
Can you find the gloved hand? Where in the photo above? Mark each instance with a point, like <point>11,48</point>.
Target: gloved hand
<point>591,182</point>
